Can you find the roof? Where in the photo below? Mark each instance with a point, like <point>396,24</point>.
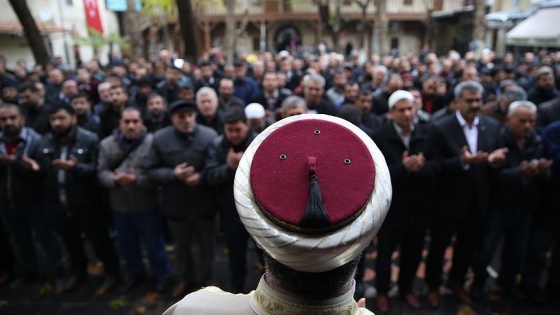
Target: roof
<point>540,29</point>
<point>15,28</point>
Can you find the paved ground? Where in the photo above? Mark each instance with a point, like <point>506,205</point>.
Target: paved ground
<point>27,300</point>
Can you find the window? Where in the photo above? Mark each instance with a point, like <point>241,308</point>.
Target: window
<point>407,2</point>
<point>69,2</point>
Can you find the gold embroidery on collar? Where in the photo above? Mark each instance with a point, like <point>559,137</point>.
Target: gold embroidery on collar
<point>269,304</point>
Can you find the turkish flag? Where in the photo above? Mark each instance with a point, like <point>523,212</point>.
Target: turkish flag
<point>92,15</point>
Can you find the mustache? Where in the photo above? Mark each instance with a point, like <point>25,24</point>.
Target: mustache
<point>474,109</point>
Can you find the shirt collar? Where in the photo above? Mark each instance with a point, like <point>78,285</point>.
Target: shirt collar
<point>400,131</point>
<point>22,135</point>
<point>463,122</point>
<point>266,300</point>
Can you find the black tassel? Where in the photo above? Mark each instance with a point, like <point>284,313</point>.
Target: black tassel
<point>315,215</point>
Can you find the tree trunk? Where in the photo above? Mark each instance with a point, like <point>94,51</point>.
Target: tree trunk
<point>336,27</point>
<point>187,20</point>
<point>381,28</point>
<point>229,39</point>
<point>479,29</point>
<point>363,21</point>
<point>31,31</point>
<point>132,29</point>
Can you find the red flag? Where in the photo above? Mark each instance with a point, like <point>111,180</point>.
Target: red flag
<point>92,15</point>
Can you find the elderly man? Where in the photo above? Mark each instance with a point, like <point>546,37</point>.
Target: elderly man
<point>498,109</point>
<point>468,150</point>
<point>208,113</point>
<point>405,147</point>
<point>312,220</point>
<point>293,106</point>
<point>177,161</point>
<point>134,199</point>
<point>313,93</point>
<point>516,195</point>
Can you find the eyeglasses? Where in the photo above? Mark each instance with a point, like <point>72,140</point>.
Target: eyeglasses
<point>472,100</point>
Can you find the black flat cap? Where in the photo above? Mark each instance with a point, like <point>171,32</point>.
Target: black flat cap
<point>182,105</point>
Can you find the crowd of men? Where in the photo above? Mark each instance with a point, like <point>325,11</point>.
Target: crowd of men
<point>472,145</point>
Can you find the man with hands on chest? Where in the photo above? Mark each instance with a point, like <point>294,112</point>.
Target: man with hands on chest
<point>177,162</point>
<point>70,154</point>
<point>468,150</point>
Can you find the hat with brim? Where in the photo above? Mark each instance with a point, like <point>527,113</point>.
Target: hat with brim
<point>181,106</point>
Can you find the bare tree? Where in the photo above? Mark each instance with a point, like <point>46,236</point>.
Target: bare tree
<point>132,29</point>
<point>332,23</point>
<point>479,23</point>
<point>31,31</point>
<point>229,39</point>
<point>363,4</point>
<point>381,27</point>
<point>187,20</point>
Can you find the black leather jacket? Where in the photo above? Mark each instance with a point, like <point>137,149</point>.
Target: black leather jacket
<point>80,183</point>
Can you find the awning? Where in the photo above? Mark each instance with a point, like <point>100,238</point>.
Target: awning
<point>15,28</point>
<point>540,29</point>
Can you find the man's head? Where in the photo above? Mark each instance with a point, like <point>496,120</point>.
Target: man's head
<point>156,105</point>
<point>84,76</point>
<point>340,80</point>
<point>11,120</point>
<point>186,92</point>
<point>313,88</point>
<point>470,74</point>
<point>394,83</point>
<point>240,69</point>
<point>130,124</point>
<point>468,96</point>
<point>207,102</point>
<point>270,81</point>
<point>544,78</point>
<point>81,104</point>
<point>520,119</point>
<point>104,90</point>
<point>429,86</point>
<point>172,75</point>
<point>236,127</point>
<point>69,88</point>
<point>402,109</point>
<point>364,101</point>
<point>293,105</point>
<point>29,95</point>
<point>225,88</point>
<point>119,97</point>
<point>351,92</point>
<point>513,94</point>
<point>314,231</point>
<point>10,93</point>
<point>62,119</point>
<point>145,86</point>
<point>183,115</point>
<point>206,70</point>
<point>256,116</point>
<point>56,77</point>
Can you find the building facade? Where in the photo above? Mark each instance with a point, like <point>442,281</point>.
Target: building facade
<point>59,21</point>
